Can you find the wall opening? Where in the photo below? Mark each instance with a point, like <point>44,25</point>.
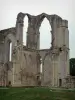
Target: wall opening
<point>25,28</point>
<point>45,35</point>
<point>41,65</point>
<point>38,81</point>
<point>10,51</point>
<point>41,70</point>
<point>60,82</point>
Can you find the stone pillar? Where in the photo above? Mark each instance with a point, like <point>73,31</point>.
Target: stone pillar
<point>60,40</point>
<point>63,45</point>
<point>52,21</point>
<point>33,32</point>
<point>62,33</point>
<point>19,28</point>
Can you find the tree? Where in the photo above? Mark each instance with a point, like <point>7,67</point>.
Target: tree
<point>72,66</point>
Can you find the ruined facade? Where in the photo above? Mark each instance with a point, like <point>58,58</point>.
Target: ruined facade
<point>24,67</point>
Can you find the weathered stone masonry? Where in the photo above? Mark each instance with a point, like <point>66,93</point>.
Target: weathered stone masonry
<point>24,67</point>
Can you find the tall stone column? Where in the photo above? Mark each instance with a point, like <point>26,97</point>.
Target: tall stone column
<point>19,28</point>
<point>60,40</point>
<point>33,32</point>
<point>63,44</point>
<point>52,21</point>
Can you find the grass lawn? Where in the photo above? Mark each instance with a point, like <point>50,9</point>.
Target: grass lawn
<point>36,93</point>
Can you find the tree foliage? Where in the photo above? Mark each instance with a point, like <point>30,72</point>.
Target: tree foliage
<point>72,66</point>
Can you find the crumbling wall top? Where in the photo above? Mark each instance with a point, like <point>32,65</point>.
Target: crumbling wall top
<point>5,32</point>
<point>40,17</point>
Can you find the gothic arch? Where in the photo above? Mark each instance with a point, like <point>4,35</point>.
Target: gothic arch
<point>45,33</point>
<point>34,23</point>
<point>10,38</point>
<point>25,29</point>
<point>21,16</point>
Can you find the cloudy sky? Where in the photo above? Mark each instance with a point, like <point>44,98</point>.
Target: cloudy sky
<point>64,8</point>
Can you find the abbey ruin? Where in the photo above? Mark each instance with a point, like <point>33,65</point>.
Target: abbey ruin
<point>24,67</point>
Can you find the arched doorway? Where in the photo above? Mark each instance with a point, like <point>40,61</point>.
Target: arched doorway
<point>45,34</point>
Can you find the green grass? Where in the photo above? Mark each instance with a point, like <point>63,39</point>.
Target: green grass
<point>36,93</point>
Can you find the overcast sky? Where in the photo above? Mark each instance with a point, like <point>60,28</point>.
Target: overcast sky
<point>64,8</point>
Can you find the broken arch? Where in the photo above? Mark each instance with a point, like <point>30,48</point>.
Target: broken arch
<point>37,20</point>
<point>45,34</point>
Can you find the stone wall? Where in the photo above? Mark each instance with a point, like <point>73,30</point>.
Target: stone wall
<point>24,67</point>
